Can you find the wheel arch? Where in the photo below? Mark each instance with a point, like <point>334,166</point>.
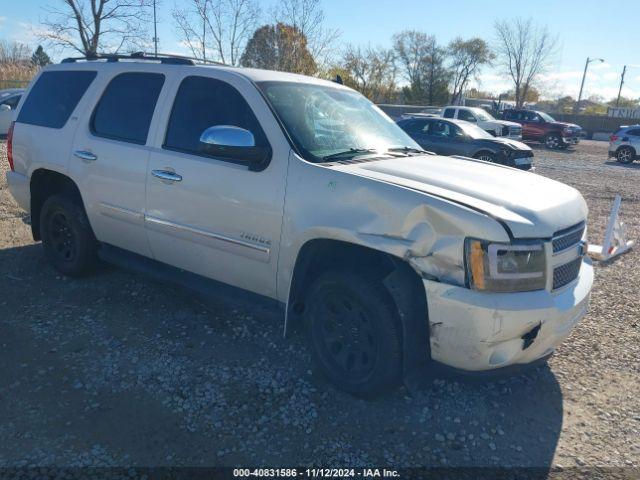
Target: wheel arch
<point>481,150</point>
<point>635,152</point>
<point>44,183</point>
<point>402,282</point>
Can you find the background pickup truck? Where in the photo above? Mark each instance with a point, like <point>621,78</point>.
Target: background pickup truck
<point>542,127</point>
<point>497,128</point>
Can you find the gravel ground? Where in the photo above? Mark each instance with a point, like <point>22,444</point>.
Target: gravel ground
<point>116,370</point>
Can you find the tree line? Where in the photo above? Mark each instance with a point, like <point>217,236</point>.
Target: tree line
<point>292,36</point>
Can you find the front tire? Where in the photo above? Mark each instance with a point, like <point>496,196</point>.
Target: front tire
<point>553,141</point>
<point>625,155</point>
<point>67,238</point>
<point>355,333</point>
<point>485,156</point>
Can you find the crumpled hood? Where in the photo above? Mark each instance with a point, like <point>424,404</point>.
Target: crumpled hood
<point>515,144</point>
<point>531,206</point>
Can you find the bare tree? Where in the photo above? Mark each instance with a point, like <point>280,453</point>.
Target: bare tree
<point>422,62</point>
<point>91,26</point>
<point>12,53</point>
<point>217,29</point>
<point>525,50</point>
<point>16,68</point>
<point>371,71</point>
<point>307,17</point>
<point>466,59</point>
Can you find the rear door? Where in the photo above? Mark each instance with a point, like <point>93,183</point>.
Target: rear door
<point>211,215</point>
<point>417,129</point>
<point>110,156</point>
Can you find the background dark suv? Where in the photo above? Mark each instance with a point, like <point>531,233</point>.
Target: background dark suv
<point>542,127</point>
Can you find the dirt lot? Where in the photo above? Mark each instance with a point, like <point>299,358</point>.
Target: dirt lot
<point>118,370</point>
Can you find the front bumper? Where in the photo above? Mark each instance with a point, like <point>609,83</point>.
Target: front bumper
<point>476,331</point>
<point>20,190</point>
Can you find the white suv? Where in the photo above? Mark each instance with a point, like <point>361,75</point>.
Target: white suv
<point>394,260</point>
<point>497,128</point>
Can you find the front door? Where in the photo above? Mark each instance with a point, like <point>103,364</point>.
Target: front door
<point>214,216</point>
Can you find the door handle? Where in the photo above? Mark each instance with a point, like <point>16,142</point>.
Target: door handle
<point>167,175</point>
<point>85,155</point>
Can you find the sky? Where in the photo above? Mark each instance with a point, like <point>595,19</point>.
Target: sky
<point>584,28</point>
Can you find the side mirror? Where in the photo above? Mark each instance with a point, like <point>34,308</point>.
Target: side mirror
<point>234,143</point>
<point>5,108</point>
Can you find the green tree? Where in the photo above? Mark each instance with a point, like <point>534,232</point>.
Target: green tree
<point>625,102</point>
<point>422,63</point>
<point>279,47</point>
<point>40,57</point>
<point>467,57</point>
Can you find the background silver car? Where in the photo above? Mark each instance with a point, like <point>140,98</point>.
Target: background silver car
<point>8,102</point>
<point>624,145</point>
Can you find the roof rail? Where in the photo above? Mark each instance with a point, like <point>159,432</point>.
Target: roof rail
<point>167,59</point>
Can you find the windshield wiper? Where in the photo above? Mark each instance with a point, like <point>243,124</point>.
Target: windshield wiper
<point>408,150</point>
<point>352,152</point>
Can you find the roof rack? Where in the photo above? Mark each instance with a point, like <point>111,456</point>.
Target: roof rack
<point>167,59</point>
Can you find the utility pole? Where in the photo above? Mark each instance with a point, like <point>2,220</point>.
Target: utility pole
<point>624,70</point>
<point>155,29</point>
<point>584,75</point>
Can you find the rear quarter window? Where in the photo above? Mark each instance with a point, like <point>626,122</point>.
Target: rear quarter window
<point>449,112</point>
<point>54,97</point>
<point>635,132</point>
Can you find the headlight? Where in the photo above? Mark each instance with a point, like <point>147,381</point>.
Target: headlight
<point>503,267</point>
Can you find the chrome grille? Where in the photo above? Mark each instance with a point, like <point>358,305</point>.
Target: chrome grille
<point>567,238</point>
<point>567,273</point>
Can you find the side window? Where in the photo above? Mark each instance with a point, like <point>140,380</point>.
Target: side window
<point>443,129</point>
<point>466,115</point>
<point>509,115</point>
<point>54,97</point>
<point>635,132</point>
<point>126,108</point>
<point>417,126</point>
<point>449,112</point>
<point>203,102</point>
<point>531,117</point>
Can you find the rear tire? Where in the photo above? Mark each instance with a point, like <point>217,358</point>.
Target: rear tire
<point>67,238</point>
<point>354,333</point>
<point>625,155</point>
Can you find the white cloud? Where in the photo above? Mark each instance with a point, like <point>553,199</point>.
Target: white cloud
<point>603,82</point>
